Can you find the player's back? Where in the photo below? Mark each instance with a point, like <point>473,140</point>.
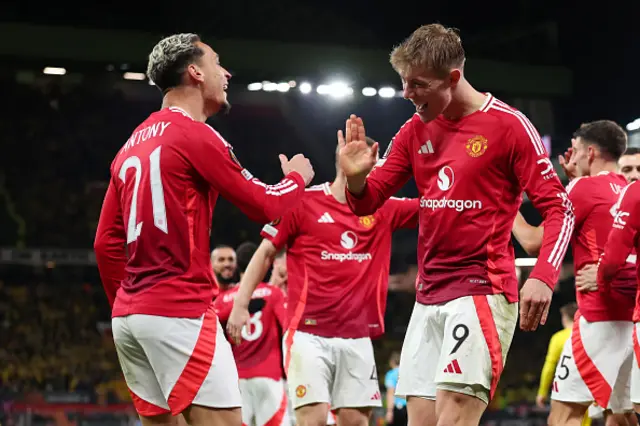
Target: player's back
<point>593,198</point>
<point>167,210</point>
<point>259,354</point>
<point>338,263</point>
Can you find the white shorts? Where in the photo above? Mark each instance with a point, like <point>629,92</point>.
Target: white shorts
<point>264,402</point>
<point>635,370</point>
<point>171,363</point>
<point>596,365</point>
<point>459,346</point>
<point>340,372</point>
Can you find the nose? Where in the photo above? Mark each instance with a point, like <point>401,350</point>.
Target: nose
<point>227,74</point>
<point>407,92</point>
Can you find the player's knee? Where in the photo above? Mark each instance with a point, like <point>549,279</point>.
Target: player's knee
<point>354,416</point>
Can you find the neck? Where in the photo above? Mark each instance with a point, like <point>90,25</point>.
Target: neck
<point>599,166</point>
<point>188,99</point>
<point>465,100</point>
<point>338,187</point>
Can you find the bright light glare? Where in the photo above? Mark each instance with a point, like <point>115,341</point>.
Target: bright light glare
<point>526,261</point>
<point>283,87</point>
<point>134,76</point>
<point>634,125</point>
<point>269,87</point>
<point>54,71</point>
<point>386,92</point>
<point>305,87</point>
<point>335,90</point>
<point>369,91</point>
<point>254,86</point>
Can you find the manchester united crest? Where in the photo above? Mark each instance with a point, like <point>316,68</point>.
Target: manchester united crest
<point>476,146</point>
<point>301,391</point>
<point>367,221</point>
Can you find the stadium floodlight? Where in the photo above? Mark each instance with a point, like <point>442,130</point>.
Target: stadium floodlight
<point>252,87</point>
<point>526,261</point>
<point>283,87</point>
<point>369,91</point>
<point>268,86</point>
<point>336,90</point>
<point>323,89</point>
<point>292,83</point>
<point>634,125</point>
<point>54,71</point>
<point>305,87</point>
<point>139,76</point>
<point>386,92</point>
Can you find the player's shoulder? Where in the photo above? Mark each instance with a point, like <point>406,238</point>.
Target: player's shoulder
<point>506,116</point>
<point>226,296</point>
<point>579,184</point>
<point>321,189</point>
<point>560,336</point>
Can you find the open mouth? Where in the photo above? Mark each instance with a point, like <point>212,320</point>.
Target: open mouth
<point>225,87</point>
<point>421,108</point>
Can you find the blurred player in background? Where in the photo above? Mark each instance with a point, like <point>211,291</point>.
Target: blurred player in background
<point>472,156</point>
<point>224,264</point>
<point>259,354</point>
<point>595,364</point>
<point>629,164</point>
<point>338,271</point>
<point>396,406</point>
<point>152,242</point>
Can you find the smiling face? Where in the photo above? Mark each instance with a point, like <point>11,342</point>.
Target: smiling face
<point>429,63</point>
<point>212,78</point>
<point>429,94</point>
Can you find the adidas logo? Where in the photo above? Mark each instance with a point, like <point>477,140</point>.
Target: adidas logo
<point>326,218</point>
<point>453,367</point>
<point>376,396</point>
<point>427,148</point>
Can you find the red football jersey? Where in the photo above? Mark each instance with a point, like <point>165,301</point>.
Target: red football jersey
<point>164,185</point>
<point>260,352</point>
<point>471,174</point>
<point>622,240</point>
<point>338,263</point>
<point>593,199</point>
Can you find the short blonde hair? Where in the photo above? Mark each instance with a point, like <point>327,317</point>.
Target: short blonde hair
<point>432,47</point>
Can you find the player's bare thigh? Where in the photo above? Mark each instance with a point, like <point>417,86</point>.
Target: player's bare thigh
<point>312,414</point>
<point>196,415</point>
<point>421,411</point>
<point>453,408</point>
<point>348,416</point>
<point>567,413</point>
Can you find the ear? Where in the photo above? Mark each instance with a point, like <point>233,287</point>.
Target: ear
<point>454,77</point>
<point>591,153</point>
<point>195,72</point>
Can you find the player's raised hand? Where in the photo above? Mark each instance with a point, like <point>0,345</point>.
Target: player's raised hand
<point>298,163</point>
<point>568,163</point>
<point>238,318</point>
<point>355,156</point>
<point>535,300</point>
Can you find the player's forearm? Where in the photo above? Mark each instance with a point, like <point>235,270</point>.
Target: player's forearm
<point>256,270</point>
<point>391,400</point>
<point>530,237</point>
<point>559,222</point>
<point>272,201</point>
<point>546,377</point>
<point>366,202</point>
<point>111,268</point>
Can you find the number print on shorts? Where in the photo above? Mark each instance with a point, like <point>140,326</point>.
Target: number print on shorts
<point>460,334</point>
<point>255,330</point>
<point>565,374</point>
